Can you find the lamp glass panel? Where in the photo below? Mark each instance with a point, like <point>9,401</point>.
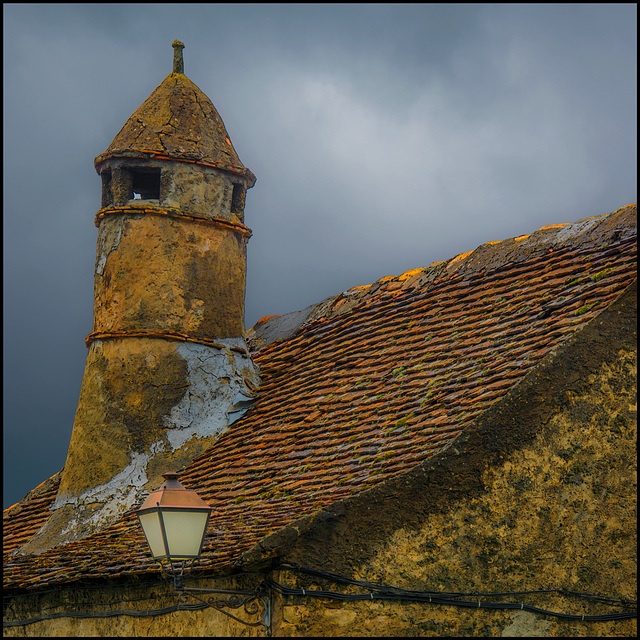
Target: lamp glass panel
<point>185,530</point>
<point>151,526</point>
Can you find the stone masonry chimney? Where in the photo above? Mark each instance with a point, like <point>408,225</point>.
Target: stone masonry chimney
<point>167,369</point>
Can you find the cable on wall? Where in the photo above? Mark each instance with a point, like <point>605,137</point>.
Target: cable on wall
<point>372,591</point>
<point>378,591</point>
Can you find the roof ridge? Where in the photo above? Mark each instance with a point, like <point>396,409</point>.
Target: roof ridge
<point>488,257</point>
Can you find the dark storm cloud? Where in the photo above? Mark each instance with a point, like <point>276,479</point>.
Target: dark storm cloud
<point>384,137</point>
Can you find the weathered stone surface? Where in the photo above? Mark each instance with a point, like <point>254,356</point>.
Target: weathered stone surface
<point>192,188</point>
<point>201,191</point>
<point>179,121</point>
<point>165,274</point>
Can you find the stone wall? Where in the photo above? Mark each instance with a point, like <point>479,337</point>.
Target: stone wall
<point>558,513</point>
<point>144,596</point>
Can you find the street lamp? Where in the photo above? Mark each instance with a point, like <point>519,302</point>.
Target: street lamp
<point>174,521</point>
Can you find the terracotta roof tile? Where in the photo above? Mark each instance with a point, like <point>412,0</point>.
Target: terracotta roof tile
<point>352,398</point>
<point>24,519</point>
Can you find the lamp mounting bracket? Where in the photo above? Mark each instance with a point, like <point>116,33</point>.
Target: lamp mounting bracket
<point>253,602</point>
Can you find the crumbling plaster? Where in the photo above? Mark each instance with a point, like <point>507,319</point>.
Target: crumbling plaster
<point>162,402</point>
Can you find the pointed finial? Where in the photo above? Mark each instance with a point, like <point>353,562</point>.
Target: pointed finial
<point>178,63</point>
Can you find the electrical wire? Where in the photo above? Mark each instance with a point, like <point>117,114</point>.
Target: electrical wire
<point>374,591</point>
<point>378,591</point>
<point>106,614</point>
<point>389,589</point>
<point>278,588</point>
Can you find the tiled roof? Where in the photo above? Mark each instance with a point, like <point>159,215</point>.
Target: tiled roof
<point>374,382</point>
<point>22,520</point>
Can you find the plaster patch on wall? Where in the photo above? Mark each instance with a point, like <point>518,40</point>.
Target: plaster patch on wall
<point>115,497</point>
<point>217,378</point>
<point>102,259</point>
<point>526,625</point>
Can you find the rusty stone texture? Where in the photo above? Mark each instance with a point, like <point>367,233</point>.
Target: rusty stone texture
<point>159,273</point>
<point>179,121</point>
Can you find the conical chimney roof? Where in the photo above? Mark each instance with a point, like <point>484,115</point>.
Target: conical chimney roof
<point>177,121</point>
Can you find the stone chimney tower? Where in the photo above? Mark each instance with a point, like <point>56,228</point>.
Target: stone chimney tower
<point>167,369</point>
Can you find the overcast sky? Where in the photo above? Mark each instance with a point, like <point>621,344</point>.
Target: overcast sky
<point>383,138</point>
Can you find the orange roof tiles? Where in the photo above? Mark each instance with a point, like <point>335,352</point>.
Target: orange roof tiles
<point>352,398</point>
<point>22,520</point>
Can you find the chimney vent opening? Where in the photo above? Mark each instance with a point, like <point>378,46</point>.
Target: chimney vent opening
<point>237,199</point>
<point>107,193</point>
<point>145,184</point>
